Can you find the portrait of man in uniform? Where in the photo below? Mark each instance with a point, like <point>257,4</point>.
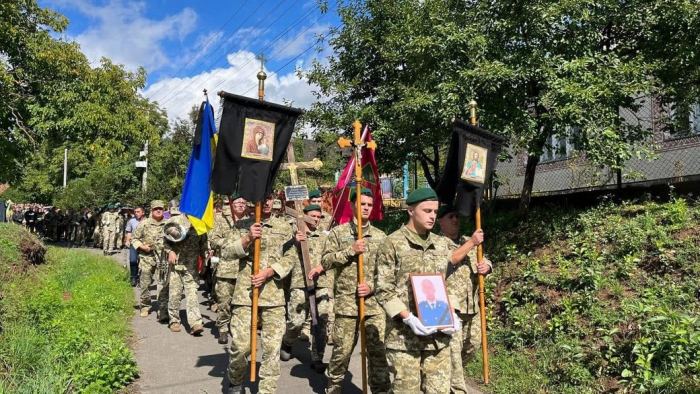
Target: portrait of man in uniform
<point>432,304</point>
<point>474,163</point>
<point>258,139</point>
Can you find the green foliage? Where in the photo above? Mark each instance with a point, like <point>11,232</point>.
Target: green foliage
<point>70,334</point>
<point>595,300</point>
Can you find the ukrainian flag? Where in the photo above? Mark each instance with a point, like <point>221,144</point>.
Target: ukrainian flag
<point>197,197</point>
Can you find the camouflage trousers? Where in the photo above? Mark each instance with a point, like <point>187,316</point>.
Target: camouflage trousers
<point>297,312</point>
<point>80,233</point>
<point>97,238</point>
<point>272,319</point>
<point>223,291</point>
<point>148,272</point>
<point>184,279</point>
<point>463,347</point>
<point>345,333</point>
<point>108,240</point>
<point>417,371</point>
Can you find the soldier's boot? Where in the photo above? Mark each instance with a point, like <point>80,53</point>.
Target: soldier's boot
<point>197,330</point>
<point>318,366</point>
<point>333,389</point>
<point>163,317</point>
<point>144,311</point>
<point>235,389</point>
<point>175,327</point>
<point>223,338</point>
<point>285,352</point>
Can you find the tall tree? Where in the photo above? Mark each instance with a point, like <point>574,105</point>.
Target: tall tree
<point>537,68</point>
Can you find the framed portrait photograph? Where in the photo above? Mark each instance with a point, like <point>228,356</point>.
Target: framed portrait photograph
<point>258,139</point>
<point>475,163</point>
<point>430,297</point>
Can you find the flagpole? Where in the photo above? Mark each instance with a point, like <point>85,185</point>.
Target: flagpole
<point>480,257</point>
<point>256,250</point>
<point>345,183</point>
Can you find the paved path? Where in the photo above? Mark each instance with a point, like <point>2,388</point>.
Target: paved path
<point>177,363</point>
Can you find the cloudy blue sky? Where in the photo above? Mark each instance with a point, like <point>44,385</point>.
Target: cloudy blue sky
<point>187,46</point>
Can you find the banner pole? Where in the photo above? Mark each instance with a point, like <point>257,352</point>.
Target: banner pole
<point>480,257</point>
<point>256,250</point>
<point>360,260</point>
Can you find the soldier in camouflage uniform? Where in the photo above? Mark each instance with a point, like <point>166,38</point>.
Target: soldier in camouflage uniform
<point>119,234</point>
<point>419,356</point>
<point>225,272</point>
<point>316,198</point>
<point>298,305</point>
<point>148,241</point>
<point>463,279</point>
<point>273,269</point>
<point>109,225</point>
<point>184,256</point>
<point>97,230</point>
<point>340,253</point>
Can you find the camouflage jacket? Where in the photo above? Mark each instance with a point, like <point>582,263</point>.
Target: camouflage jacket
<point>188,250</point>
<point>315,240</point>
<point>223,227</point>
<point>339,256</point>
<point>403,253</point>
<point>463,280</point>
<point>276,232</point>
<point>107,220</point>
<point>149,232</point>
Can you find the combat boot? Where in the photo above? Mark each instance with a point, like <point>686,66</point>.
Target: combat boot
<point>197,330</point>
<point>163,317</point>
<point>175,327</point>
<point>318,366</point>
<point>223,338</point>
<point>285,352</point>
<point>144,311</point>
<point>235,389</point>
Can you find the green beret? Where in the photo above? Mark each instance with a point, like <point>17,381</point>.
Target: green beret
<point>444,210</point>
<point>235,197</point>
<point>312,207</point>
<point>110,206</point>
<point>420,195</point>
<point>364,191</point>
<point>315,193</point>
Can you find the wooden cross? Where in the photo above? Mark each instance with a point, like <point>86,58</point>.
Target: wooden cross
<point>293,166</point>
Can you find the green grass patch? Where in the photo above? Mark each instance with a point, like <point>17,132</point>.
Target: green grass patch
<point>66,325</point>
<point>597,300</point>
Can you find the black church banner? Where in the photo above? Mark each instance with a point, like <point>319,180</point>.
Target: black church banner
<point>253,139</point>
<point>470,161</point>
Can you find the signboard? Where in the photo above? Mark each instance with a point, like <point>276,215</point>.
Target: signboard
<point>140,164</point>
<point>296,193</point>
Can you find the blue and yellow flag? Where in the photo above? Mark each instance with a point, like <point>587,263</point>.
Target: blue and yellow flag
<point>197,198</point>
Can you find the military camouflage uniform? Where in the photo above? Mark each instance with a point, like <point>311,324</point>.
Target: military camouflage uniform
<point>298,305</point>
<point>97,233</point>
<point>270,302</point>
<point>184,275</point>
<point>338,255</point>
<point>226,270</point>
<point>150,232</point>
<point>119,233</point>
<point>463,280</point>
<point>411,356</point>
<point>109,225</point>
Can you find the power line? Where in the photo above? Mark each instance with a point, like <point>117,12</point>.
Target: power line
<point>204,46</point>
<point>215,49</point>
<point>279,36</point>
<point>249,44</point>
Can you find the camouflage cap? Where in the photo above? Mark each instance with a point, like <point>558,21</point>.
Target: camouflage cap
<point>157,204</point>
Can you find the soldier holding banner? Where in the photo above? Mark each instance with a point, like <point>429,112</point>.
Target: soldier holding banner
<point>271,300</point>
<point>340,253</point>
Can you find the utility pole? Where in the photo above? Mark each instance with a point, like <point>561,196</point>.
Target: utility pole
<point>65,167</point>
<point>143,164</point>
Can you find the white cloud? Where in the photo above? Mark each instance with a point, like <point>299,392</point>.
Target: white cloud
<point>121,32</point>
<point>178,95</point>
<point>298,41</point>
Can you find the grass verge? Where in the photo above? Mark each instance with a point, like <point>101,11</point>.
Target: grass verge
<point>66,325</point>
